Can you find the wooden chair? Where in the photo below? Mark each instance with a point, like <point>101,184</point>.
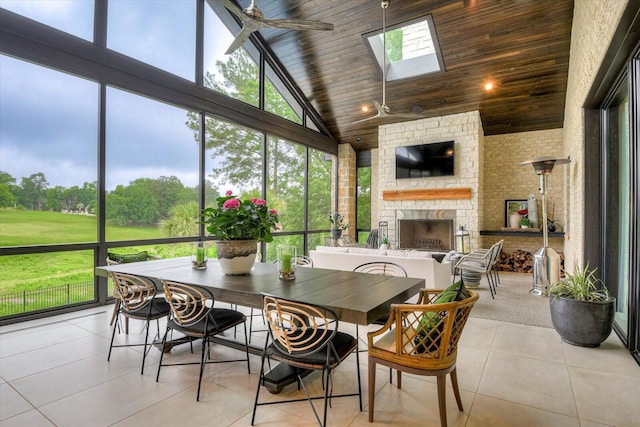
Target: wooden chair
<point>137,296</point>
<point>305,337</point>
<point>193,314</point>
<point>421,339</point>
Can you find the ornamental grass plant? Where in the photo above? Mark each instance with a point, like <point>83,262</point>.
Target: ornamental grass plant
<point>582,285</point>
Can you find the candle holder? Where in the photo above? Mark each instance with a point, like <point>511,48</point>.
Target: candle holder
<point>199,256</point>
<point>286,264</point>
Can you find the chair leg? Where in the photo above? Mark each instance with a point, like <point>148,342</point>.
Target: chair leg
<point>260,378</point>
<point>442,399</point>
<point>144,350</point>
<point>164,341</point>
<point>202,363</point>
<point>113,335</point>
<point>372,388</point>
<point>246,347</point>
<point>116,309</point>
<point>456,390</point>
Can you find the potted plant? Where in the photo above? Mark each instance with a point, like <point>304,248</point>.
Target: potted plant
<point>384,243</point>
<point>239,225</point>
<point>582,310</point>
<point>337,225</point>
<point>525,222</point>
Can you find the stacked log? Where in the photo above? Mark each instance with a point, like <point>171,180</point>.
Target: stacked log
<point>520,261</point>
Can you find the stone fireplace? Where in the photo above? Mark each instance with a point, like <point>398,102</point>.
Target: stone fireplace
<point>431,230</point>
<point>424,213</point>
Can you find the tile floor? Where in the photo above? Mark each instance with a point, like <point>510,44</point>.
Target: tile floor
<point>54,372</point>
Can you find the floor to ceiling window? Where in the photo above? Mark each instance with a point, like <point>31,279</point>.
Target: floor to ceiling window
<point>620,152</point>
<point>116,145</point>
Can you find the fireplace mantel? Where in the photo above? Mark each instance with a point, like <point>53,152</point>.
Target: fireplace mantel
<point>428,194</point>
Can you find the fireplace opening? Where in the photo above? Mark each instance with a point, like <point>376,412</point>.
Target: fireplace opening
<point>426,234</point>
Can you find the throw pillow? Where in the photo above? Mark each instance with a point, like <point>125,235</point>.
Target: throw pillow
<point>430,330</point>
<point>456,292</point>
<point>127,258</point>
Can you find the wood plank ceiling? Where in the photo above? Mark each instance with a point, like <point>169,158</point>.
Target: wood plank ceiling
<point>521,46</point>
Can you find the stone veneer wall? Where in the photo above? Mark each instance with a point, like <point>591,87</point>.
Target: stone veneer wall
<point>347,185</point>
<point>504,179</point>
<point>594,23</point>
<point>466,130</point>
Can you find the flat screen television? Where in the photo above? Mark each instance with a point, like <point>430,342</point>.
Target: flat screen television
<point>425,160</point>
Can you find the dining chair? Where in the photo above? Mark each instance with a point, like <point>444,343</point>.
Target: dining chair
<point>305,337</point>
<point>422,339</point>
<point>114,259</point>
<point>385,269</point>
<point>137,296</point>
<point>194,315</point>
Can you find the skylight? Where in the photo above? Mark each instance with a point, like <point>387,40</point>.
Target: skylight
<point>412,49</point>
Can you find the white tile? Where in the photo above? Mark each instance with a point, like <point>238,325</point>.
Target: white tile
<point>500,413</point>
<point>537,383</point>
<point>528,341</point>
<point>31,418</point>
<point>12,403</point>
<point>606,398</point>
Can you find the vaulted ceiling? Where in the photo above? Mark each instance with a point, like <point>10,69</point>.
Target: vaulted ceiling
<point>521,46</point>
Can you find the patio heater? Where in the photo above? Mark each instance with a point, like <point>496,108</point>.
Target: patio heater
<point>546,261</point>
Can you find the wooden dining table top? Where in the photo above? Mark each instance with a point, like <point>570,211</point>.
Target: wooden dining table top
<point>355,297</point>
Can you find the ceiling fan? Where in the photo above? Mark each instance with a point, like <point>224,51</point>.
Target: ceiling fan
<point>252,19</point>
<point>383,110</point>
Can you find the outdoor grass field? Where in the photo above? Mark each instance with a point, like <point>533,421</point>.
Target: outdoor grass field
<point>24,228</point>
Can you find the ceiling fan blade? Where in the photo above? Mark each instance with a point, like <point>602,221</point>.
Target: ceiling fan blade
<point>240,38</point>
<point>297,24</point>
<point>233,9</point>
<point>377,116</point>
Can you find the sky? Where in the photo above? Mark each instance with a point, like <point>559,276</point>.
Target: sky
<point>49,119</point>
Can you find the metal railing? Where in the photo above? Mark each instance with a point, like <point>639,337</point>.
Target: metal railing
<point>39,299</point>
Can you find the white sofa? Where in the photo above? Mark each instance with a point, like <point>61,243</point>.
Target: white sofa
<point>418,264</point>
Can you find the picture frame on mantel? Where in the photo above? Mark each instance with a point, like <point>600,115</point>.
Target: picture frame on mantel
<point>511,206</point>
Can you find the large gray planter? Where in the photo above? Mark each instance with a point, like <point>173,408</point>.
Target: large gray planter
<point>582,323</point>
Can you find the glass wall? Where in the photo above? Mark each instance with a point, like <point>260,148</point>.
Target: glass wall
<point>71,16</point>
<point>363,202</point>
<point>89,167</point>
<point>48,155</point>
<point>617,212</point>
<point>161,33</point>
<point>151,165</point>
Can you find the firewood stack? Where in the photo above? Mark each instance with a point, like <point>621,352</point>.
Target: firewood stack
<point>520,261</point>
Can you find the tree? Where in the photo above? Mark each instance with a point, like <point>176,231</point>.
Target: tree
<point>6,178</point>
<point>34,191</point>
<point>183,220</point>
<point>6,196</point>
<point>131,205</point>
<point>237,151</point>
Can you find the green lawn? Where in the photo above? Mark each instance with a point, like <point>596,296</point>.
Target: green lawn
<point>23,228</point>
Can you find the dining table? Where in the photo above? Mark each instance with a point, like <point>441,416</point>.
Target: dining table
<point>358,298</point>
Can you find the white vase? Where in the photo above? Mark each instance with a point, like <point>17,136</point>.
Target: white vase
<point>514,220</point>
<point>236,257</point>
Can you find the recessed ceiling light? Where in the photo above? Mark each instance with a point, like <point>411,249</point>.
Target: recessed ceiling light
<point>365,108</point>
<point>488,86</point>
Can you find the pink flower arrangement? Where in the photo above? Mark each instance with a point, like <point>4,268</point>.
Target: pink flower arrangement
<point>236,219</point>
